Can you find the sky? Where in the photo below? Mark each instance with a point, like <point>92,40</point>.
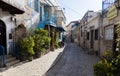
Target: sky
<point>75,9</point>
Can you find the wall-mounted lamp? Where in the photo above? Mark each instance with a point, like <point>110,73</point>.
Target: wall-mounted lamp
<point>13,18</point>
<point>117,4</point>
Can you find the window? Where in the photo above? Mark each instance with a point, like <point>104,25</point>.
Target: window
<point>31,4</point>
<point>108,33</point>
<point>96,34</point>
<point>87,35</point>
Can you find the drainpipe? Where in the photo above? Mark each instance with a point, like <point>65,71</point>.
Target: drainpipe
<point>100,32</point>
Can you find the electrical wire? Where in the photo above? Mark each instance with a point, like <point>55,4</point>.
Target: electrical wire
<point>69,8</point>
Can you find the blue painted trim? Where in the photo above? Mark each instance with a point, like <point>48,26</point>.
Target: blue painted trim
<point>47,19</point>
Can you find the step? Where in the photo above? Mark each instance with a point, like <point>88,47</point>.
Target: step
<point>12,63</point>
<point>8,56</point>
<point>10,59</point>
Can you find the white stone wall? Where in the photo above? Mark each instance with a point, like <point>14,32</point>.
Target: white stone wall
<point>91,15</point>
<point>92,25</point>
<point>19,4</point>
<point>6,18</point>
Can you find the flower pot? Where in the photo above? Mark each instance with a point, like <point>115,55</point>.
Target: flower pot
<point>23,57</point>
<point>38,54</point>
<point>30,58</point>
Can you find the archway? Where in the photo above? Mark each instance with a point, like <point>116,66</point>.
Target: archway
<point>3,35</point>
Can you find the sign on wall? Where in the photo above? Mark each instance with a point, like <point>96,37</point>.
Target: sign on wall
<point>112,12</point>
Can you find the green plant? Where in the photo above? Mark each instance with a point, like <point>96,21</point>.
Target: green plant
<point>41,40</point>
<point>57,40</point>
<point>26,45</point>
<point>108,66</point>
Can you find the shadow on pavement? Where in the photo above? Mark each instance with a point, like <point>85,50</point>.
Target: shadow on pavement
<point>57,60</point>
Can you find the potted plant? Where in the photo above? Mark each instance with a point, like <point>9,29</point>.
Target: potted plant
<point>41,40</point>
<point>57,40</point>
<point>109,65</point>
<point>26,45</point>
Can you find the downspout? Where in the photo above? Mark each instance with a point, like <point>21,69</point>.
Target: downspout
<point>100,32</point>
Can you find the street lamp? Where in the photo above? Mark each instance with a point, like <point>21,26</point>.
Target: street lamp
<point>117,4</point>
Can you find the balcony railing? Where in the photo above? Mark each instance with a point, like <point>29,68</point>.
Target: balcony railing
<point>106,4</point>
<point>47,20</point>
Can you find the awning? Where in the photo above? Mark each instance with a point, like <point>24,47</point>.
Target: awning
<point>60,29</point>
<point>42,24</point>
<point>50,23</point>
<point>10,8</point>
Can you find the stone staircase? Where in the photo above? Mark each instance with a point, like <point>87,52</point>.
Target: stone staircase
<point>10,61</point>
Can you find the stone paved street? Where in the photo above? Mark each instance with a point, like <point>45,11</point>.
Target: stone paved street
<point>68,61</point>
<point>74,62</point>
<point>37,67</point>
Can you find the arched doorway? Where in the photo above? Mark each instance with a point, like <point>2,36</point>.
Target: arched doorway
<point>3,35</point>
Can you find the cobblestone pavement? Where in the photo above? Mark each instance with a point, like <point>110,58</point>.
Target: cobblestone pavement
<point>74,62</point>
<point>37,67</point>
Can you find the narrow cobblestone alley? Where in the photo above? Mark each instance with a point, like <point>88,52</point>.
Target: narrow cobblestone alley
<point>74,62</point>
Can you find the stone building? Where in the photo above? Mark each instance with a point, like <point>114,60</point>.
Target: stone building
<point>111,19</point>
<point>8,9</point>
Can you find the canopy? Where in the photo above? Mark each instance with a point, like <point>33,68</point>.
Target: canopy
<point>60,29</point>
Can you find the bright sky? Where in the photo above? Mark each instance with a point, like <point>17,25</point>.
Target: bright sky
<point>75,9</point>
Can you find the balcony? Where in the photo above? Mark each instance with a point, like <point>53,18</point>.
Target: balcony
<point>12,6</point>
<point>47,20</point>
<point>50,20</point>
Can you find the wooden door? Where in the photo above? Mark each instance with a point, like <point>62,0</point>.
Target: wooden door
<point>92,39</point>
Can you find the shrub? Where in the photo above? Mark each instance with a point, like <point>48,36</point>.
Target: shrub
<point>41,40</point>
<point>108,66</point>
<point>26,45</point>
<point>57,40</point>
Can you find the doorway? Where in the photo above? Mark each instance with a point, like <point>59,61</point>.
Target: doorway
<point>92,40</point>
<point>3,35</point>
